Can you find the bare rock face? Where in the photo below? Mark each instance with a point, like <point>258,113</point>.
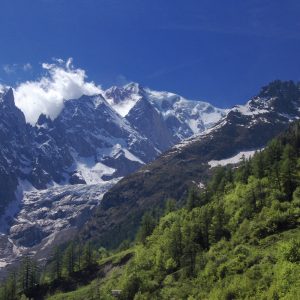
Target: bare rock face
<point>150,122</point>
<point>15,142</point>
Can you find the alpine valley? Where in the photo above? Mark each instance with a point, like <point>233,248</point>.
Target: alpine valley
<point>134,169</point>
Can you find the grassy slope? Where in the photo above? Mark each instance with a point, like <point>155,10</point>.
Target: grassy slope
<point>112,267</point>
<point>247,266</point>
<point>244,241</point>
<point>249,271</point>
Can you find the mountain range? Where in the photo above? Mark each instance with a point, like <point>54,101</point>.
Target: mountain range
<point>244,130</point>
<point>53,174</point>
<point>64,175</point>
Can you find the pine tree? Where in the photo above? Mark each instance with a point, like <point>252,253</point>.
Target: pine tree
<point>13,285</point>
<point>170,206</point>
<point>273,156</point>
<point>34,274</point>
<point>25,273</point>
<point>244,170</point>
<point>147,226</point>
<point>190,247</point>
<point>205,221</point>
<point>175,246</point>
<point>69,259</point>
<point>192,200</point>
<point>57,263</point>
<point>10,288</point>
<point>288,171</point>
<point>218,181</point>
<point>258,165</point>
<point>87,255</point>
<point>79,252</point>
<point>217,230</point>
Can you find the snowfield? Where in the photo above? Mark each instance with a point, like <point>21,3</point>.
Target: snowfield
<point>232,160</point>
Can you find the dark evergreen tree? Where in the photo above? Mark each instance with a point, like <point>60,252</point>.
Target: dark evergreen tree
<point>175,246</point>
<point>258,165</point>
<point>87,256</point>
<point>288,171</point>
<point>57,264</point>
<point>192,199</point>
<point>69,259</point>
<point>170,206</point>
<point>147,226</point>
<point>25,273</point>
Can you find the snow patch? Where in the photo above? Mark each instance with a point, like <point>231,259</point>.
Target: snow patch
<point>92,171</point>
<point>232,160</point>
<point>132,157</point>
<point>200,185</point>
<point>124,107</point>
<point>3,263</point>
<point>249,110</point>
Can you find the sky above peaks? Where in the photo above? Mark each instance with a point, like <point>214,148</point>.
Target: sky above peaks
<point>218,51</point>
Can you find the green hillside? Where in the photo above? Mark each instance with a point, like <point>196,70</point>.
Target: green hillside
<point>238,238</point>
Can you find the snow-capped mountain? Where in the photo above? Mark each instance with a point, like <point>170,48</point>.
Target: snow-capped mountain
<point>93,142</point>
<point>245,129</point>
<point>256,122</point>
<point>165,117</point>
<point>94,139</point>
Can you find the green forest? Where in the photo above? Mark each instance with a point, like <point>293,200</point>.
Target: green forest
<point>237,238</point>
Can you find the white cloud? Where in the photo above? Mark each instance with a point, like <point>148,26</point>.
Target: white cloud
<point>2,87</point>
<point>9,69</point>
<point>46,95</point>
<point>14,68</point>
<point>27,67</point>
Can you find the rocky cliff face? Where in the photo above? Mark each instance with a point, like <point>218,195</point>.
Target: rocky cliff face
<point>15,147</point>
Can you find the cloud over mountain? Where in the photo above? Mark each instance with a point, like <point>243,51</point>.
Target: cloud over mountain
<point>62,81</point>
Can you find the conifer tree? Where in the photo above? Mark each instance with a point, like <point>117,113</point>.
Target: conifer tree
<point>288,171</point>
<point>147,225</point>
<point>87,255</point>
<point>258,165</point>
<point>25,273</point>
<point>192,200</point>
<point>175,246</point>
<point>69,259</point>
<point>57,263</point>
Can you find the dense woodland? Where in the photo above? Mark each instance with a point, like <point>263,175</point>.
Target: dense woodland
<point>237,238</point>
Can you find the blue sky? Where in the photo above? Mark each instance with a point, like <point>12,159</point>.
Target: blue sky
<point>219,51</point>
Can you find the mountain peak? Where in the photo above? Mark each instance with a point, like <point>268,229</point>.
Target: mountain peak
<point>279,96</point>
<point>123,98</point>
<point>279,88</point>
<point>133,87</point>
<point>8,97</point>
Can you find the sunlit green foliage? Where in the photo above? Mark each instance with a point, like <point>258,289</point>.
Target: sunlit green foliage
<point>238,238</point>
